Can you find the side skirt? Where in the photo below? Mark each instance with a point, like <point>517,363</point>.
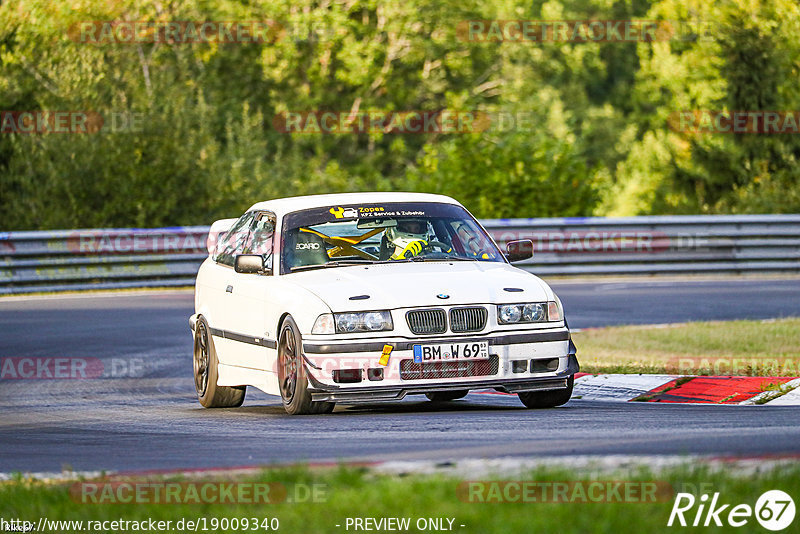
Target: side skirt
<point>231,375</point>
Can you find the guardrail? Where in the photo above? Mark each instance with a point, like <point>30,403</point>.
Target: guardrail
<point>657,244</point>
<point>100,259</point>
<point>162,257</point>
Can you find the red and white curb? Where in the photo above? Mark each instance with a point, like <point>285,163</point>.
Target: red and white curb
<point>774,391</point>
<point>617,387</point>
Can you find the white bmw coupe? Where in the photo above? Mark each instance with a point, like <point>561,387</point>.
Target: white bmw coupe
<point>370,297</point>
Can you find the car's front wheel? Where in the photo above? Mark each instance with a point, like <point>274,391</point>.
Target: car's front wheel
<point>444,396</point>
<point>292,374</point>
<point>205,363</point>
<point>548,399</point>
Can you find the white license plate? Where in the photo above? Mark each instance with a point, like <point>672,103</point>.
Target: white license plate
<point>474,350</point>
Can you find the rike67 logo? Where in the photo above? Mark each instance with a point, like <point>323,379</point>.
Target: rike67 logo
<point>774,510</point>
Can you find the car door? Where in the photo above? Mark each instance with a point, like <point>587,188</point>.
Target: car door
<point>218,276</point>
<point>219,289</point>
<point>247,339</point>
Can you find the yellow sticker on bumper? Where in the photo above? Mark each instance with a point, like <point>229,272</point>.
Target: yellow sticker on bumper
<point>387,350</point>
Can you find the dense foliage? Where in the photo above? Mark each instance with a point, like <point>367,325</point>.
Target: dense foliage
<point>597,139</point>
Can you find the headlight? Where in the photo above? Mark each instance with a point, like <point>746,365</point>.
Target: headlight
<point>376,321</point>
<point>510,314</point>
<point>530,312</point>
<point>533,313</point>
<point>348,323</point>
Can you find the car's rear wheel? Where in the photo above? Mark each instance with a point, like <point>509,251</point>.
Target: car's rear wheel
<point>205,365</point>
<point>292,374</point>
<point>444,396</point>
<point>548,399</point>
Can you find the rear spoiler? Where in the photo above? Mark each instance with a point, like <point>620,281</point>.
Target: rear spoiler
<point>216,232</point>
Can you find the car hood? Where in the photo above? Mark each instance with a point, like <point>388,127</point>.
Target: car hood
<point>407,285</point>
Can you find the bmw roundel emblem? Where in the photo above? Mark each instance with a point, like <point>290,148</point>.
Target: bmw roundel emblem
<point>442,296</point>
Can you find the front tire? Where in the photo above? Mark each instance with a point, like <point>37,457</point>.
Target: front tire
<point>292,378</point>
<point>548,399</point>
<point>445,396</point>
<point>205,365</point>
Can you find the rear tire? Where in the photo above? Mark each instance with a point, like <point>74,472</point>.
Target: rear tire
<point>206,373</point>
<point>548,399</point>
<point>445,396</point>
<point>292,379</point>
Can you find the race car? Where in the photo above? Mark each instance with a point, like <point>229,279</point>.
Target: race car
<point>366,297</point>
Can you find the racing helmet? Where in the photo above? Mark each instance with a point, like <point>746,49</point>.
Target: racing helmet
<point>406,232</point>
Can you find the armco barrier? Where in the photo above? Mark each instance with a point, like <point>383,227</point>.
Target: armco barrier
<point>657,244</point>
<point>100,259</point>
<point>126,258</point>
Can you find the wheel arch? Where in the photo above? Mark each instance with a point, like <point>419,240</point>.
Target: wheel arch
<point>281,319</point>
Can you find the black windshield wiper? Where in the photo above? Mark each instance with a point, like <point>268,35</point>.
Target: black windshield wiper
<point>399,260</point>
<point>338,263</point>
<point>427,258</point>
<point>458,258</point>
<point>440,258</point>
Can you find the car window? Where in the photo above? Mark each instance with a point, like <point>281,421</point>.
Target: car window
<point>233,242</point>
<point>261,237</point>
<point>469,236</point>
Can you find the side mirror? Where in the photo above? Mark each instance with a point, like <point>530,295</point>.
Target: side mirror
<point>519,250</point>
<point>249,264</point>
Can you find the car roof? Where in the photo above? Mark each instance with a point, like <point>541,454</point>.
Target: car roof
<point>280,206</point>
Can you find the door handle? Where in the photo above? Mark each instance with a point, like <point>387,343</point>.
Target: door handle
<point>229,289</point>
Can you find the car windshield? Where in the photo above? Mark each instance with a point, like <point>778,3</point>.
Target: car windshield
<point>333,236</point>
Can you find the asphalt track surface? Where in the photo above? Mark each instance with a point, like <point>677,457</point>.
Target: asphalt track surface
<point>148,416</point>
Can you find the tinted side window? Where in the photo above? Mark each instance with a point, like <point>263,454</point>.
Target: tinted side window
<point>260,240</point>
<point>234,241</point>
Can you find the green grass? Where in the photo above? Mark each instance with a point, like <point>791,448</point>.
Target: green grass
<point>775,389</point>
<point>747,348</point>
<point>352,492</point>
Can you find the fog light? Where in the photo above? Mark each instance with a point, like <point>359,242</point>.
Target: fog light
<point>347,376</point>
<point>519,366</point>
<point>544,366</point>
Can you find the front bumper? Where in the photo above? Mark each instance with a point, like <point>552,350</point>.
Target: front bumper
<point>321,392</point>
<point>508,351</point>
